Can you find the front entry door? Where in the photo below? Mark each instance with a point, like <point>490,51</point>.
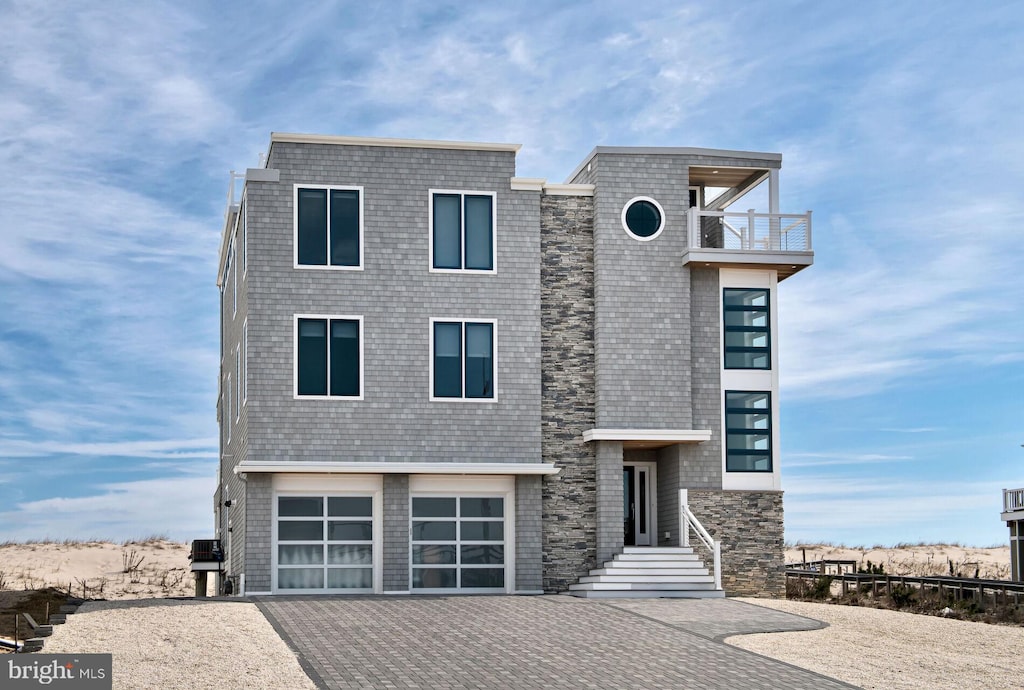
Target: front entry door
<point>636,504</point>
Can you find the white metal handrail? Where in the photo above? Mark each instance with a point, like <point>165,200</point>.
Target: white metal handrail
<point>235,177</point>
<point>751,231</point>
<point>1013,500</point>
<point>687,519</point>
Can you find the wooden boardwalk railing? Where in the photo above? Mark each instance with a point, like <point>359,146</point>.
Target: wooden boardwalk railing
<point>1000,591</point>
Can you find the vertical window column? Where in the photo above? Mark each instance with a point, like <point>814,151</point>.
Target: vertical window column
<point>747,329</point>
<point>748,431</point>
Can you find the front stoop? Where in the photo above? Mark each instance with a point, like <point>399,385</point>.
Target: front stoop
<point>646,572</point>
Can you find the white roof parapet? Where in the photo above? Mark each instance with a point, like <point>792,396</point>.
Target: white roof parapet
<point>665,435</point>
<point>291,138</point>
<point>539,184</point>
<point>528,184</point>
<point>569,189</point>
<point>396,467</point>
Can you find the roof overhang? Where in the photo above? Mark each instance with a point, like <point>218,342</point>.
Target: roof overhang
<point>395,468</point>
<point>648,438</point>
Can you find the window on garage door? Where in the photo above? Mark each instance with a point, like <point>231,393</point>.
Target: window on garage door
<point>458,542</point>
<point>325,543</point>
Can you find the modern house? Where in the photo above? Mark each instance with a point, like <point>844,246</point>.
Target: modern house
<point>439,377</point>
<point>1013,516</point>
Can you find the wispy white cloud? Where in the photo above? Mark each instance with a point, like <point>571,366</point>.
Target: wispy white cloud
<point>174,449</point>
<point>793,460</point>
<point>180,507</point>
<point>869,510</point>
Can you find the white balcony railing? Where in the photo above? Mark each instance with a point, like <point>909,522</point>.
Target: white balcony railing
<point>688,520</point>
<point>1013,500</point>
<point>232,188</point>
<point>750,231</point>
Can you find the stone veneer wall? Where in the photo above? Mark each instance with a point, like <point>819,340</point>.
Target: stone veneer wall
<point>749,525</point>
<point>567,388</point>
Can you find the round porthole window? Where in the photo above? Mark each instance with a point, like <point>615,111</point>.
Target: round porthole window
<point>643,218</point>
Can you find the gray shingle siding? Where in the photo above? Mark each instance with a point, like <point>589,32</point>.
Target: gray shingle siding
<point>642,329</point>
<point>396,533</point>
<point>396,295</point>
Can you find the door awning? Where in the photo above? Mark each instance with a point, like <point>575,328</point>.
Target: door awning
<point>648,438</point>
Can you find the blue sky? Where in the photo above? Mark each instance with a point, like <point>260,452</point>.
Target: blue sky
<point>900,127</point>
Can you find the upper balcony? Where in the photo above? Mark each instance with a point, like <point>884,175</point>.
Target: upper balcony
<point>744,239</point>
<point>1013,504</point>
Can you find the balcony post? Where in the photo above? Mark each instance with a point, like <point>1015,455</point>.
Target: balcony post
<point>774,222</point>
<point>748,239</point>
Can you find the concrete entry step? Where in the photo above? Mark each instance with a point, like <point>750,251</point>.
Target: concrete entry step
<point>623,586</point>
<point>667,570</point>
<point>644,571</point>
<point>657,557</point>
<point>649,579</point>
<point>651,594</point>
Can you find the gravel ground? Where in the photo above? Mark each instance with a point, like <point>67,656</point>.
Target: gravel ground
<point>167,644</point>
<point>875,648</point>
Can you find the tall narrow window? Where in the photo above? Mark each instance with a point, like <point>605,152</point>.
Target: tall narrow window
<point>747,329</point>
<point>328,227</point>
<point>328,357</point>
<point>234,283</point>
<point>226,415</point>
<point>245,366</point>
<point>244,254</point>
<point>463,359</point>
<point>462,231</point>
<point>238,381</point>
<point>748,431</point>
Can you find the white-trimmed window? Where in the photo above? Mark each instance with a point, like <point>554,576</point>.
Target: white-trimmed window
<point>643,218</point>
<point>328,357</point>
<point>245,367</point>
<point>748,431</point>
<point>747,327</point>
<point>238,382</point>
<point>462,354</point>
<point>234,282</point>
<point>226,416</point>
<point>242,217</point>
<point>324,542</point>
<point>328,226</point>
<point>462,231</point>
<point>458,542</point>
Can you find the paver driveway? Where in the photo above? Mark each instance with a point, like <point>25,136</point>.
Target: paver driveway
<point>533,642</point>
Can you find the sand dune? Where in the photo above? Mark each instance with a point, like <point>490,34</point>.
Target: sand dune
<point>920,560</point>
<point>100,570</point>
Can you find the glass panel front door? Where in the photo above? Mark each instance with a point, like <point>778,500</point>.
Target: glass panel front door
<point>636,505</point>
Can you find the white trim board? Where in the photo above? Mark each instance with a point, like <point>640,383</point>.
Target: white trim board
<point>468,468</point>
<point>290,138</point>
